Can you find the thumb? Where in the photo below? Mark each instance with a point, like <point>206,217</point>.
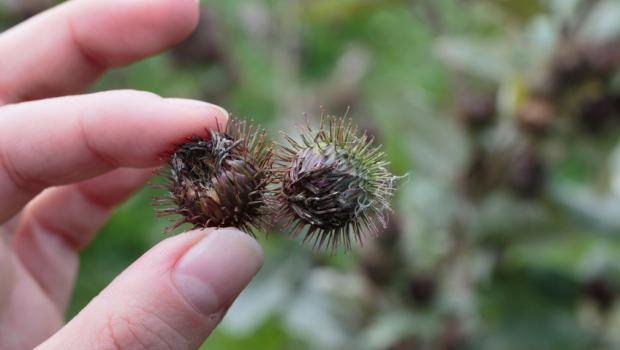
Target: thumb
<point>171,298</point>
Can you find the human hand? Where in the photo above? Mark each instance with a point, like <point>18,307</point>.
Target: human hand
<point>65,162</point>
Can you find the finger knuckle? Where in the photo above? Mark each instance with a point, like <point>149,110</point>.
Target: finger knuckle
<point>140,329</point>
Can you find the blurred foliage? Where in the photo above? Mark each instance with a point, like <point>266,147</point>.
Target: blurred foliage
<point>506,113</point>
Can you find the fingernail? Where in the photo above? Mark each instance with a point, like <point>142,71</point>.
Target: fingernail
<point>199,104</point>
<point>215,270</point>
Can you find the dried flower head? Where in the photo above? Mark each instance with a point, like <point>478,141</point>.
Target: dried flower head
<point>334,183</point>
<point>220,181</point>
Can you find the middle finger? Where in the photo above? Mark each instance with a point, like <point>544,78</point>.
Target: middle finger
<point>64,49</point>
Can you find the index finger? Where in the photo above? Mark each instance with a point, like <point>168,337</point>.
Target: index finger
<point>69,139</point>
<point>63,50</point>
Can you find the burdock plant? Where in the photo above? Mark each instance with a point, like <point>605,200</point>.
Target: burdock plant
<point>221,180</point>
<point>335,185</point>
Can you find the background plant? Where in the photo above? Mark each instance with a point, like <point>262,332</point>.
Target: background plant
<point>505,112</point>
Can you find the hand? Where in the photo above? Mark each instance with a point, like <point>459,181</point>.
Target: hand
<point>65,162</point>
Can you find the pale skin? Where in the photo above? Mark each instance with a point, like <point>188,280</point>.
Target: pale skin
<point>67,160</point>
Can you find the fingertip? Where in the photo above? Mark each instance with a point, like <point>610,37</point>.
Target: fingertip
<point>136,128</point>
<point>250,242</point>
<point>218,112</point>
<point>215,270</point>
<point>181,16</point>
<point>148,26</point>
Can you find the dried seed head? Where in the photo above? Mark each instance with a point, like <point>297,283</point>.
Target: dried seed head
<point>220,181</point>
<point>335,183</point>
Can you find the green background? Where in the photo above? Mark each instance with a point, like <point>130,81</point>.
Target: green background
<point>529,261</point>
